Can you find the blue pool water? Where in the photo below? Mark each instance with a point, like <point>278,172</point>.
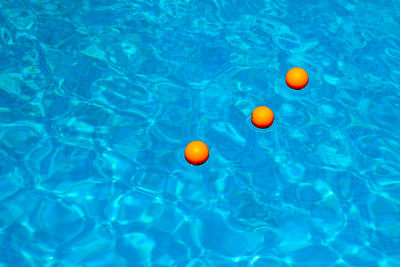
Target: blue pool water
<point>99,98</point>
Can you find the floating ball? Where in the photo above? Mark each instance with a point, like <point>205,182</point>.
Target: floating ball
<point>196,153</point>
<point>262,117</point>
<point>297,78</point>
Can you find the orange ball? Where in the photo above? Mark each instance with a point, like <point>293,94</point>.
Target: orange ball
<point>297,78</point>
<point>262,117</point>
<point>196,153</point>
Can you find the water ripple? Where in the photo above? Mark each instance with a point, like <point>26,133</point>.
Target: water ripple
<point>98,100</point>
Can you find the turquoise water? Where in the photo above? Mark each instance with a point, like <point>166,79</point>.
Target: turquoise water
<point>98,100</point>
